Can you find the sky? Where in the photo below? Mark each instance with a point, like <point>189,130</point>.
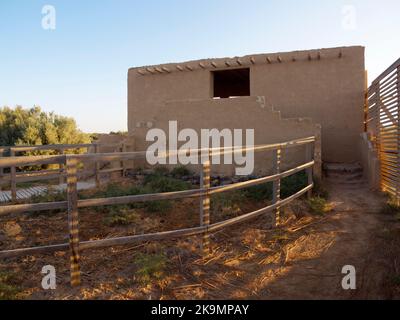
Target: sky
<point>79,69</point>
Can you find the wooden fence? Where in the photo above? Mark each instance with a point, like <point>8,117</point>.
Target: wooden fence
<point>72,205</point>
<point>17,176</point>
<point>382,125</point>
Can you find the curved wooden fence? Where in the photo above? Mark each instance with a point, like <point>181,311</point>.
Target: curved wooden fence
<point>14,176</point>
<point>204,193</point>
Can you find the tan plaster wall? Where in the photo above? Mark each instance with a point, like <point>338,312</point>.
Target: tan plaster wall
<point>267,124</point>
<point>329,90</point>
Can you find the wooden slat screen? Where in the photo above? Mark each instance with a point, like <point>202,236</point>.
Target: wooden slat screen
<point>382,123</point>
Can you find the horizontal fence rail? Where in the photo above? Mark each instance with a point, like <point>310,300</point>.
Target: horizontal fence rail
<point>10,156</point>
<point>72,204</point>
<point>382,124</point>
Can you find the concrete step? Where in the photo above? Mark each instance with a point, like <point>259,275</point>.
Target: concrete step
<point>342,168</point>
<point>347,176</point>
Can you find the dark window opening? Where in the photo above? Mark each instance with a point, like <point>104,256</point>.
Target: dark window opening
<point>231,83</point>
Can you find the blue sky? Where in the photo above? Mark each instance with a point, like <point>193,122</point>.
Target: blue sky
<point>80,68</point>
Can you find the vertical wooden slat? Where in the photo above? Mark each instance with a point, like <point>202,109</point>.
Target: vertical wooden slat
<point>13,179</point>
<point>97,167</point>
<point>205,204</point>
<point>378,127</point>
<point>398,138</point>
<point>366,101</point>
<point>276,186</point>
<point>73,219</point>
<point>309,171</point>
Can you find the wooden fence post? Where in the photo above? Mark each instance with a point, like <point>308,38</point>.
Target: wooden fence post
<point>205,204</point>
<point>317,170</point>
<point>13,179</point>
<point>73,219</point>
<point>123,162</point>
<point>97,166</point>
<point>276,186</point>
<point>61,169</point>
<point>1,168</point>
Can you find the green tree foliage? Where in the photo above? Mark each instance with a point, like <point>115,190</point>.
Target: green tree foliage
<point>33,126</point>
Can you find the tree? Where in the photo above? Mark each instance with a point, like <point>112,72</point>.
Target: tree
<point>33,126</point>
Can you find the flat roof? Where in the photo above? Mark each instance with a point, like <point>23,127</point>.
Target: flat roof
<point>248,60</point>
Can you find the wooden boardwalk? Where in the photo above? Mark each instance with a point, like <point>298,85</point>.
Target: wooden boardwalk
<point>26,193</point>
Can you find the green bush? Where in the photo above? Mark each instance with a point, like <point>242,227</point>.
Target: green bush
<point>391,208</point>
<point>319,190</point>
<point>121,217</point>
<point>8,289</point>
<point>49,196</point>
<point>294,183</point>
<point>260,192</point>
<point>227,203</point>
<point>180,171</point>
<point>289,185</point>
<point>159,183</point>
<point>154,183</point>
<point>113,190</point>
<point>318,205</point>
<point>150,266</point>
<point>158,206</point>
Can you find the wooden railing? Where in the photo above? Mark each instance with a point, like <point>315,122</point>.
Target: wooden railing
<point>14,176</point>
<point>72,205</point>
<point>382,124</point>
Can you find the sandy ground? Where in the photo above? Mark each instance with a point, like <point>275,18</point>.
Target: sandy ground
<point>302,259</point>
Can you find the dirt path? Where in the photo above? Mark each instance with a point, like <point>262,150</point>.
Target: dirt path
<point>308,265</point>
<point>344,238</point>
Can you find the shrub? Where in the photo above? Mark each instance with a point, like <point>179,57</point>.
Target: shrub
<point>49,196</point>
<point>161,170</point>
<point>259,193</point>
<point>227,203</point>
<point>318,205</point>
<point>113,190</point>
<point>180,171</point>
<point>8,290</point>
<point>391,208</point>
<point>150,266</point>
<point>289,185</point>
<point>158,183</point>
<point>319,190</point>
<point>294,183</point>
<point>158,206</point>
<point>119,218</point>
